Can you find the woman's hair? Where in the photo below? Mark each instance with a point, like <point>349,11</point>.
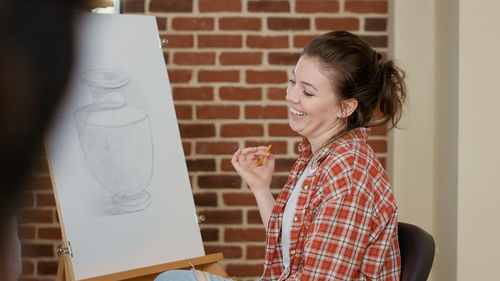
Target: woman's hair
<point>357,71</point>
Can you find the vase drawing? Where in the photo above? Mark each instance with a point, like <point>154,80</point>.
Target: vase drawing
<point>116,140</point>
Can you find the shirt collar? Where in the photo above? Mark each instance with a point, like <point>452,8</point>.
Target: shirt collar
<point>355,135</point>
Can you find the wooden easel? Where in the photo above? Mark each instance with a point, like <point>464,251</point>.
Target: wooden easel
<point>208,263</point>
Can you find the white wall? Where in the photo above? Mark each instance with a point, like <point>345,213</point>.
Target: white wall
<point>478,250</point>
<point>412,165</point>
<point>451,51</point>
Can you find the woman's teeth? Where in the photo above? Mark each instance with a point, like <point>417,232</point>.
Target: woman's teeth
<point>296,112</point>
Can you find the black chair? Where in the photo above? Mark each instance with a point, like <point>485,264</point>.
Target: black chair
<point>417,252</point>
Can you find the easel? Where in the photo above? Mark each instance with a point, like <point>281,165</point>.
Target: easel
<point>208,263</point>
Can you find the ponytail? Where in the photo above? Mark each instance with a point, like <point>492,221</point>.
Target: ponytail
<point>392,95</point>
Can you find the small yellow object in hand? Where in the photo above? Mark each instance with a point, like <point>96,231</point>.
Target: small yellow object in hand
<point>262,157</point>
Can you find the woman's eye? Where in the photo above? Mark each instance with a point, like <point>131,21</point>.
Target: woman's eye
<point>308,94</point>
<point>291,81</point>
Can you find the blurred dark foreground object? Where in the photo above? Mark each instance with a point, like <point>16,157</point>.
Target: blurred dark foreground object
<point>36,54</point>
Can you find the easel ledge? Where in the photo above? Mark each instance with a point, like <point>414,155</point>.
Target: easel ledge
<point>208,263</point>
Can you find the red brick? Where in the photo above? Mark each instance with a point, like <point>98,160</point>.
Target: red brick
<point>376,24</point>
<point>193,23</point>
<point>382,161</point>
<point>376,41</point>
<point>45,199</point>
<point>133,6</point>
<point>184,111</point>
<point>196,165</point>
<point>240,23</point>
<point>194,58</point>
<point>26,232</point>
<point>266,76</point>
<point>276,93</point>
<point>239,199</point>
<point>161,23</point>
<point>216,147</point>
<point>218,76</point>
<point>228,251</point>
<point>271,111</point>
<point>246,270</point>
<point>49,233</point>
<point>193,93</point>
<point>178,41</point>
<point>283,58</point>
<point>267,42</point>
<point>300,41</point>
<point>240,58</point>
<point>365,6</point>
<point>209,234</point>
<point>217,112</point>
<point>205,199</point>
<point>278,182</point>
<point>28,267</point>
<point>47,267</point>
<point>256,252</point>
<point>179,75</point>
<point>268,6</point>
<point>316,6</point>
<point>379,146</point>
<point>197,130</point>
<point>281,130</point>
<point>220,5</point>
<point>288,23</point>
<point>222,216</point>
<point>284,165</point>
<point>171,6</point>
<point>378,131</point>
<point>219,181</point>
<point>39,182</point>
<point>37,250</point>
<point>36,216</point>
<point>245,235</point>
<point>238,93</point>
<point>253,217</point>
<point>241,130</point>
<point>166,58</point>
<point>278,147</point>
<point>219,41</point>
<point>226,165</point>
<point>337,24</point>
<point>186,146</point>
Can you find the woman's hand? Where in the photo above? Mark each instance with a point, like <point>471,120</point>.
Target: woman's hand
<point>245,161</point>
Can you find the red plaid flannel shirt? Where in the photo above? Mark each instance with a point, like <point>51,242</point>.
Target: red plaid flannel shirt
<point>345,224</point>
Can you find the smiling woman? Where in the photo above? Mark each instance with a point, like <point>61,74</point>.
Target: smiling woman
<point>336,217</point>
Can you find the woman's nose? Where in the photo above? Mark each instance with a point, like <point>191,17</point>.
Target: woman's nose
<point>291,94</point>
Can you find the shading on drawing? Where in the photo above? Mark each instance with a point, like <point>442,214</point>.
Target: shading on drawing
<point>117,144</point>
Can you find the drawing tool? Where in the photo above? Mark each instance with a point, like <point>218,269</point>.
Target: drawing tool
<point>262,157</point>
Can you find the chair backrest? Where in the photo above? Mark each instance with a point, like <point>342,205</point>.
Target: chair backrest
<point>417,252</point>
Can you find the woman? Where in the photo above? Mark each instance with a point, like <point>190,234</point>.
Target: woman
<point>335,218</point>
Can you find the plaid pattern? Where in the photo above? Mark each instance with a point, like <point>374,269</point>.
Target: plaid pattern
<point>345,224</point>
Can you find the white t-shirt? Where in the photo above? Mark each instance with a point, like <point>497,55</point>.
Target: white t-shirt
<point>288,213</point>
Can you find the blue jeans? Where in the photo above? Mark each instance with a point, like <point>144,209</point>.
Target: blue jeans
<point>189,275</point>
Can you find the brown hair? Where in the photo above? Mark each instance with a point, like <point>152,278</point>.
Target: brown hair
<point>356,71</point>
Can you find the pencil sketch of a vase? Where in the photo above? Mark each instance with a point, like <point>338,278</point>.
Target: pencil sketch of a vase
<point>116,140</point>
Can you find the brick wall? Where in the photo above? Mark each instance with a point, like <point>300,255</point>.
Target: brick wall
<point>229,63</point>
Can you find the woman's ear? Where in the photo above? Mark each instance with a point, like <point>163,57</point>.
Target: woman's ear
<point>348,107</point>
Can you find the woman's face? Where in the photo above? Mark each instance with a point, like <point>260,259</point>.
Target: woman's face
<point>314,106</point>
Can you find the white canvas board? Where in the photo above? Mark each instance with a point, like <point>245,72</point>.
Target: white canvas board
<point>116,153</point>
